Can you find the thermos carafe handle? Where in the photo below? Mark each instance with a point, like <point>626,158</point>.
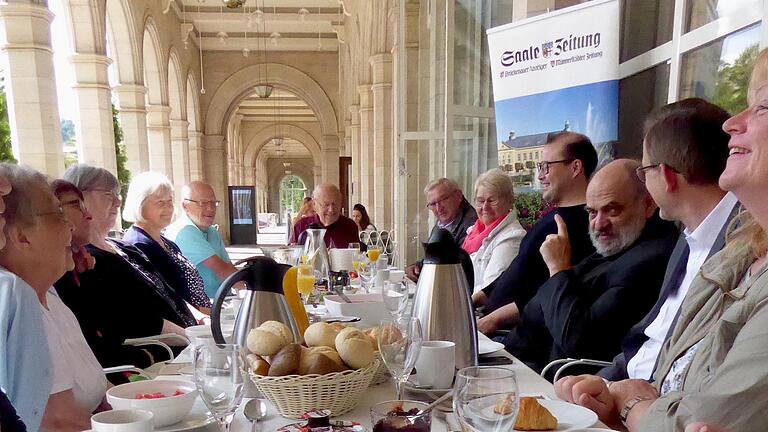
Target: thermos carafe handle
<point>218,302</point>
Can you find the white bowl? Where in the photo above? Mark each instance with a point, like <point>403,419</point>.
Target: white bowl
<point>167,410</point>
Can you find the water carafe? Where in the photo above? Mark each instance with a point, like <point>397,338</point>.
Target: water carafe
<point>317,254</point>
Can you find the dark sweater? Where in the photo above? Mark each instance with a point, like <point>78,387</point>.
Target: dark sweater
<point>528,271</point>
<point>585,311</point>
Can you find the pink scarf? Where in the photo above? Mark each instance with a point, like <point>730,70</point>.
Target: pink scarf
<point>478,233</point>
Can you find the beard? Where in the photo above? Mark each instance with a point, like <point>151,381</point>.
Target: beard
<point>621,239</point>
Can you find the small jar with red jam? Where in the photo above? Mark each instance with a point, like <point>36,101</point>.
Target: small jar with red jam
<point>400,416</point>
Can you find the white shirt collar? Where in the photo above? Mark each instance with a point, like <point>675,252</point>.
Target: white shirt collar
<point>703,237</point>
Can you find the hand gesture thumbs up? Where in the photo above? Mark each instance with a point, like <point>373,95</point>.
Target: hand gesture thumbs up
<point>556,248</point>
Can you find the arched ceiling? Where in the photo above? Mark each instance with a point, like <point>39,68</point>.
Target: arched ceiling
<point>311,31</point>
<point>280,108</point>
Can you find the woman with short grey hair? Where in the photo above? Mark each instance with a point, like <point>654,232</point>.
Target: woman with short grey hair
<point>494,240</point>
<point>149,205</point>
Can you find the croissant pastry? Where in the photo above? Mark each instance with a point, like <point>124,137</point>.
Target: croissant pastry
<point>534,417</point>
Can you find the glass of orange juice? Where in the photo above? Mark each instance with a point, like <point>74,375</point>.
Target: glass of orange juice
<point>305,281</point>
<point>373,254</point>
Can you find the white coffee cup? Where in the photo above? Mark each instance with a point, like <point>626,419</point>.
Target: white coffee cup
<point>123,421</point>
<point>436,364</point>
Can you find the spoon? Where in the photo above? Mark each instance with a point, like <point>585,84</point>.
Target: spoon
<point>429,407</point>
<point>255,410</point>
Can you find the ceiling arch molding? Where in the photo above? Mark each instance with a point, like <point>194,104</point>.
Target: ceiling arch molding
<point>124,42</point>
<point>261,138</point>
<point>155,70</point>
<point>240,84</point>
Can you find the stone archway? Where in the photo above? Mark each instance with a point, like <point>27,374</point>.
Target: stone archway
<point>178,120</point>
<point>158,111</point>
<point>257,142</point>
<point>193,129</point>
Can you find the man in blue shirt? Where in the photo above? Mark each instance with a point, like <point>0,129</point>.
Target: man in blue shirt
<point>198,239</point>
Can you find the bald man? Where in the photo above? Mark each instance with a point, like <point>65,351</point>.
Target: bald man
<point>341,230</point>
<point>198,239</point>
<point>585,310</point>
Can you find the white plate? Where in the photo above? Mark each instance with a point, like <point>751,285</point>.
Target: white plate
<point>487,346</point>
<point>196,418</point>
<point>412,386</point>
<point>570,417</point>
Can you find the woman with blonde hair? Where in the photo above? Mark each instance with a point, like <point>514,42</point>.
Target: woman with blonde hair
<point>712,369</point>
<point>494,240</point>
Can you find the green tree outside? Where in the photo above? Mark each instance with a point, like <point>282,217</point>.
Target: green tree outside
<point>123,174</point>
<point>733,80</point>
<point>6,151</point>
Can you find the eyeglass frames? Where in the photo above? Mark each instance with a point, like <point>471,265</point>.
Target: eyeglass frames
<point>204,203</point>
<point>543,166</point>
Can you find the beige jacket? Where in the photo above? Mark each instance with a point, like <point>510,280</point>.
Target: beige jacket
<point>726,383</point>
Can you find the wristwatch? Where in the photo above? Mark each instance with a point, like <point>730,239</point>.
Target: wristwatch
<point>628,407</point>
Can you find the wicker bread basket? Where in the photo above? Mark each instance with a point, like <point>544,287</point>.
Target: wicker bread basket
<point>382,373</point>
<point>294,395</point>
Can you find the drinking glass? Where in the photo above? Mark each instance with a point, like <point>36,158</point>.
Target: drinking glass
<point>305,281</point>
<point>399,345</point>
<point>395,296</point>
<point>220,373</point>
<point>485,398</point>
<point>367,272</point>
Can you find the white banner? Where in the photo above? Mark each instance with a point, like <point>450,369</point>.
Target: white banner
<point>557,71</point>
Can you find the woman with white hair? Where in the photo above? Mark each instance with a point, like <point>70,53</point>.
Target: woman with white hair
<point>149,205</point>
<point>494,240</point>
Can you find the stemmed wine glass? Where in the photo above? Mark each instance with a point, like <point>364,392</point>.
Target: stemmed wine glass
<point>399,345</point>
<point>485,398</point>
<point>366,271</point>
<point>395,296</point>
<point>220,373</point>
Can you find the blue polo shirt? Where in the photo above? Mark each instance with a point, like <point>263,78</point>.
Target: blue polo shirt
<point>198,246</point>
<point>25,365</point>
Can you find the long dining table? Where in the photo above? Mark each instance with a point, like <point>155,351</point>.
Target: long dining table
<point>529,383</point>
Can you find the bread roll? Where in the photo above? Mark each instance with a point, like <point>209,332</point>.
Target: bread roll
<point>279,329</point>
<point>258,365</point>
<point>354,347</point>
<point>264,343</point>
<point>388,334</point>
<point>320,360</point>
<point>320,334</point>
<point>286,362</point>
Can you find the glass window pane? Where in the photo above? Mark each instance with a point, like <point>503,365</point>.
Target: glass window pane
<point>719,71</point>
<point>646,24</point>
<point>423,162</point>
<point>700,12</point>
<point>639,94</point>
<point>473,151</point>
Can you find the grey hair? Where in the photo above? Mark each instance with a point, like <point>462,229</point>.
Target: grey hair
<point>20,209</point>
<point>87,177</point>
<point>450,184</point>
<point>142,186</point>
<point>498,182</point>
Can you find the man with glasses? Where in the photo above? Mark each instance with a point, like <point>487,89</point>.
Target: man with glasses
<point>453,212</point>
<point>340,230</point>
<point>198,239</point>
<point>684,152</point>
<point>569,159</point>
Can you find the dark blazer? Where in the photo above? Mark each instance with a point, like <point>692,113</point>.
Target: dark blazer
<point>585,311</point>
<point>674,275</point>
<point>458,228</point>
<point>528,271</point>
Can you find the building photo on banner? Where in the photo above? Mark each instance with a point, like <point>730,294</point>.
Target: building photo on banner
<point>555,73</point>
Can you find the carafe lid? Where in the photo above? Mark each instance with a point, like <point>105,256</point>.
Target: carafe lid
<point>264,274</point>
<point>441,248</point>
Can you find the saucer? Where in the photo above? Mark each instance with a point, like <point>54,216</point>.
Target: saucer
<point>412,386</point>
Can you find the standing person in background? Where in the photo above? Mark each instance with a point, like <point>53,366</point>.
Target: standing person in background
<point>198,239</point>
<point>361,218</point>
<point>149,205</point>
<point>306,210</point>
<point>494,240</point>
<point>569,159</point>
<point>453,212</point>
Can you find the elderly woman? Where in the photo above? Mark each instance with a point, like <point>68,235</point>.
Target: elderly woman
<point>712,367</point>
<point>149,205</point>
<point>38,252</point>
<point>361,218</point>
<point>123,275</point>
<point>493,241</point>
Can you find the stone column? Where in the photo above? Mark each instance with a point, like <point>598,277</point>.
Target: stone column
<point>159,133</point>
<point>30,86</point>
<point>366,146</point>
<point>354,151</point>
<point>95,133</point>
<point>318,175</point>
<point>133,121</point>
<point>180,153</point>
<point>195,155</point>
<point>215,162</point>
<point>330,162</point>
<point>383,145</point>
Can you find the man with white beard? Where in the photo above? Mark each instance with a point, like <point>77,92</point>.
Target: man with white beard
<point>584,310</point>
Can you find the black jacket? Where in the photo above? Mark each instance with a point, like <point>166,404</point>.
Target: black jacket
<point>585,311</point>
<point>458,228</point>
<point>528,271</point>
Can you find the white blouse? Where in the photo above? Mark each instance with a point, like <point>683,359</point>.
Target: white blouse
<point>74,365</point>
